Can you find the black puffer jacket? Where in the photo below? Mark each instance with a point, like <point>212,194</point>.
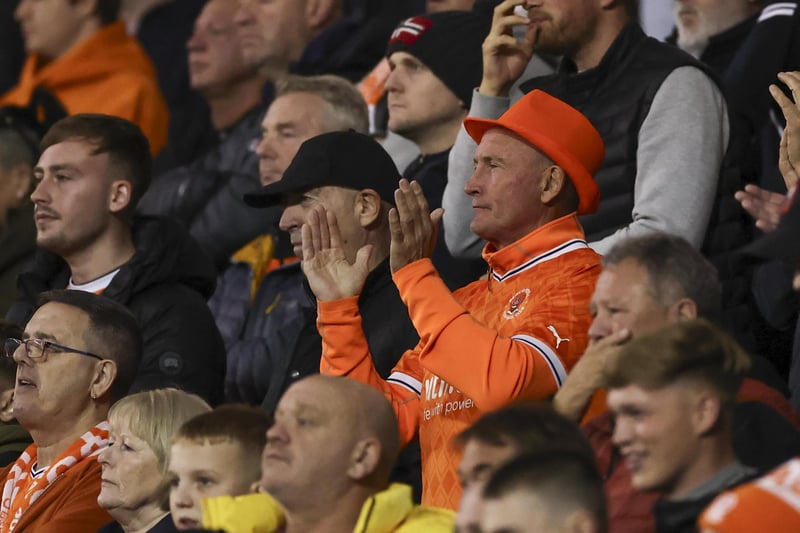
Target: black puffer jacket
<point>165,285</point>
<point>206,196</point>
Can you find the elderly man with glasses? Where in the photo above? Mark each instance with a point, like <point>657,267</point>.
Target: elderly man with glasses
<point>79,354</point>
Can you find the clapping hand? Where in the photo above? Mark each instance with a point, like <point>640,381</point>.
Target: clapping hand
<point>413,227</point>
<point>329,273</point>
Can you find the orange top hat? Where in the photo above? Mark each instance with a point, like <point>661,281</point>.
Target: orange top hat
<point>559,131</point>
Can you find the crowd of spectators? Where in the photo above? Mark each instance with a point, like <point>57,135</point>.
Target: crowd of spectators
<point>368,265</point>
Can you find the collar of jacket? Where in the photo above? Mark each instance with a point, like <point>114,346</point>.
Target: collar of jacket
<point>555,238</point>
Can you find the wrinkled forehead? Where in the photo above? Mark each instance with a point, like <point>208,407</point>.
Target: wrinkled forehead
<point>57,322</point>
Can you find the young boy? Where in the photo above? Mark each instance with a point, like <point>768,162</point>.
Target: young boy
<point>214,454</point>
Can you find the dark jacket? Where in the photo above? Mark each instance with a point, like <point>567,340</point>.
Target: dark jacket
<point>165,525</point>
<point>431,173</point>
<point>17,247</point>
<point>206,196</point>
<point>165,285</point>
<point>680,516</point>
<point>616,96</point>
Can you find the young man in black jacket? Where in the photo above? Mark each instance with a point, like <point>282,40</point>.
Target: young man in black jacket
<point>92,171</point>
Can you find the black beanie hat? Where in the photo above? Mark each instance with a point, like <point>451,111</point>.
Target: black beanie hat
<point>449,44</point>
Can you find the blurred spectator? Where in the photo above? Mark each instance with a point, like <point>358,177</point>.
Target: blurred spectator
<point>349,176</point>
<point>11,44</point>
<point>547,491</point>
<point>163,28</point>
<point>498,437</point>
<point>212,455</point>
<point>19,151</point>
<point>346,38</point>
<point>662,163</point>
<point>321,474</point>
<point>13,437</point>
<point>672,393</point>
<point>435,65</point>
<point>80,52</point>
<point>206,195</point>
<point>79,355</point>
<point>140,427</point>
<point>495,340</point>
<point>92,171</point>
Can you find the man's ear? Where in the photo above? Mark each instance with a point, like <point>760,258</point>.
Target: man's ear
<point>87,8</point>
<point>707,411</point>
<point>553,179</point>
<point>367,207</point>
<point>105,372</point>
<point>365,458</point>
<point>7,406</point>
<point>683,309</point>
<point>320,12</point>
<point>20,180</point>
<point>120,196</point>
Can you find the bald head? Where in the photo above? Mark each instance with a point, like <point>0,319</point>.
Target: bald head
<point>366,412</point>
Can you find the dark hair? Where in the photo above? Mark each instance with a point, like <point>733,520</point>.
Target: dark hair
<point>113,333</point>
<point>529,427</point>
<point>8,367</point>
<point>675,270</point>
<point>19,137</point>
<point>566,481</point>
<point>122,140</point>
<point>239,423</point>
<point>692,349</point>
<point>106,10</point>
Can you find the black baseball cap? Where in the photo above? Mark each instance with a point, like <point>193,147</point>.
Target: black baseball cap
<point>784,241</point>
<point>342,159</point>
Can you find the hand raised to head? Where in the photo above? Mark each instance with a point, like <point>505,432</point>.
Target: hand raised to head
<point>413,227</point>
<point>505,57</point>
<point>329,273</point>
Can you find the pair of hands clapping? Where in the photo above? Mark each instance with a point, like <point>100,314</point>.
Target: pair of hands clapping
<point>766,206</point>
<point>331,276</point>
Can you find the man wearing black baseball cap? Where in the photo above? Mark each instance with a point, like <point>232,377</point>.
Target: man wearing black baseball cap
<point>350,177</point>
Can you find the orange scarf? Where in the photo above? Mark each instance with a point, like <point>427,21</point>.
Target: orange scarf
<point>21,489</point>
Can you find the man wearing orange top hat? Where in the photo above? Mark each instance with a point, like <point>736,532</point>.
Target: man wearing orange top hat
<point>511,336</point>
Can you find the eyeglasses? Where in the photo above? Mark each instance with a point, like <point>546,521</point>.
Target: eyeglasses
<point>35,348</point>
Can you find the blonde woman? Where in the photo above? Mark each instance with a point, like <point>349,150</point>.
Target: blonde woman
<point>133,489</point>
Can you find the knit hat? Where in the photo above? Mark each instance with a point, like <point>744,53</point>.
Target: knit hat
<point>342,159</point>
<point>449,44</point>
<point>559,131</point>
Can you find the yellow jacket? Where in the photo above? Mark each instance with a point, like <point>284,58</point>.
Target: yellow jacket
<point>389,511</point>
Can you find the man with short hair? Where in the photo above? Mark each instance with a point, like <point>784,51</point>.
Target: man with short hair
<point>554,491</point>
<point>79,354</point>
<point>206,194</point>
<point>672,394</point>
<point>81,53</point>
<point>514,335</point>
<point>500,436</point>
<point>435,65</point>
<point>92,171</point>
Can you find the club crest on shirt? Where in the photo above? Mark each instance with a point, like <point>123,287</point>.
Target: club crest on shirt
<point>516,304</point>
